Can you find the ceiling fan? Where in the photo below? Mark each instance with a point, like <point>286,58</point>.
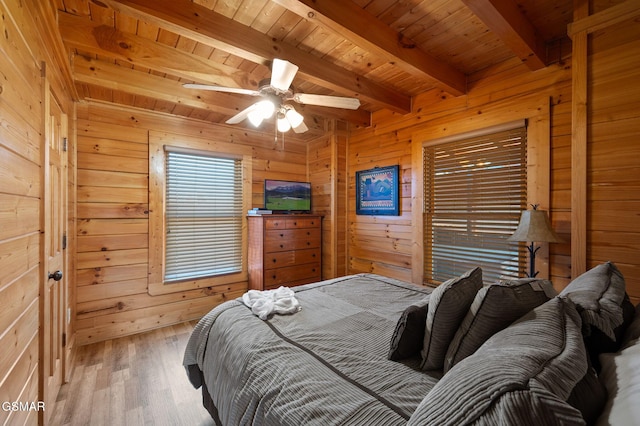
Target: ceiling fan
<point>275,92</point>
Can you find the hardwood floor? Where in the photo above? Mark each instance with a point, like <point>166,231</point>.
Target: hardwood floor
<point>135,380</point>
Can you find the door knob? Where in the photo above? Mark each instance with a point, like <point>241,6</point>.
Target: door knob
<point>57,275</point>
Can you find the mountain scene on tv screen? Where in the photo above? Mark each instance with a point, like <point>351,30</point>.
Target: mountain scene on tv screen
<point>289,197</point>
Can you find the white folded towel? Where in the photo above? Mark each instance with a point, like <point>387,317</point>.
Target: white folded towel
<point>263,303</point>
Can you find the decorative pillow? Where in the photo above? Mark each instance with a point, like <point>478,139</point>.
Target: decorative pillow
<point>598,342</point>
<point>448,305</point>
<point>589,396</point>
<point>408,336</point>
<point>494,308</point>
<point>633,330</point>
<point>598,294</point>
<point>522,375</point>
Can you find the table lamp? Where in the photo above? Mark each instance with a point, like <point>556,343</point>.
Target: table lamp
<point>534,227</point>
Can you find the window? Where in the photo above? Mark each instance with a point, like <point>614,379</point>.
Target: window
<point>474,191</point>
<point>203,216</point>
<point>211,209</point>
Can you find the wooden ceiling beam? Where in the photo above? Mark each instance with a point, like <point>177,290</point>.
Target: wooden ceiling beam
<point>507,21</point>
<point>196,22</point>
<point>366,31</point>
<point>83,34</point>
<point>115,77</point>
<point>628,9</point>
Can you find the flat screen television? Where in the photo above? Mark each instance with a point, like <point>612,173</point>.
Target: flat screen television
<point>287,196</point>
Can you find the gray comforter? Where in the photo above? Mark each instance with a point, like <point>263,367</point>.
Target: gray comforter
<point>325,365</point>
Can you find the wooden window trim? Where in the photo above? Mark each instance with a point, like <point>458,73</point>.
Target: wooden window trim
<point>445,212</point>
<point>537,112</point>
<point>157,164</point>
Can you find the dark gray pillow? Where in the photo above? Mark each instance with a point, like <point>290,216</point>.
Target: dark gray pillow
<point>597,342</point>
<point>598,294</point>
<point>493,309</point>
<point>522,375</point>
<point>448,305</point>
<point>589,396</point>
<point>408,335</point>
<point>632,333</point>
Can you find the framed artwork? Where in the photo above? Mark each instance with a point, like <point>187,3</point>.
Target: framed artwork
<point>377,191</point>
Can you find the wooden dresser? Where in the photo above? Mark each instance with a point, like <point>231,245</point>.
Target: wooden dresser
<point>284,250</point>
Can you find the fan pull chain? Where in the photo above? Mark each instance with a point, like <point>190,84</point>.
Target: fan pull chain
<point>275,137</point>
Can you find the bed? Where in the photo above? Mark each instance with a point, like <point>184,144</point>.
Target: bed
<point>326,364</point>
<point>511,352</point>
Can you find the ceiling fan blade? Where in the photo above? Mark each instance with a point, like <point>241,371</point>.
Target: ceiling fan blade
<point>221,89</point>
<point>242,115</point>
<point>328,101</point>
<point>282,74</point>
<point>301,128</point>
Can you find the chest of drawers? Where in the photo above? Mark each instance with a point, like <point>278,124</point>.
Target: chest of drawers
<point>284,250</point>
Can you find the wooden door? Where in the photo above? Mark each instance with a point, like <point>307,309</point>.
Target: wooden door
<point>53,298</point>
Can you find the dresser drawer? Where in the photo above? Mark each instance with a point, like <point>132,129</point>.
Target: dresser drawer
<point>281,259</point>
<point>292,275</point>
<point>291,223</point>
<point>303,223</point>
<point>291,239</point>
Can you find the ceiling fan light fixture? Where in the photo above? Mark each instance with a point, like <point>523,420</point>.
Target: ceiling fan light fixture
<point>283,124</point>
<point>255,117</point>
<point>294,117</point>
<point>301,128</point>
<point>266,108</point>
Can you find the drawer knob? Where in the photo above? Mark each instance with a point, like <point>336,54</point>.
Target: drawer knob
<point>308,233</point>
<point>274,260</point>
<point>313,255</point>
<point>295,223</point>
<point>281,245</point>
<point>308,243</point>
<point>274,277</point>
<point>282,235</point>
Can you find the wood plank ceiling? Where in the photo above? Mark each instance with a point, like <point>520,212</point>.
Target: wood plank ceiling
<point>140,52</point>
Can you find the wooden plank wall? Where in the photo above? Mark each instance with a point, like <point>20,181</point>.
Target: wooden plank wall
<point>321,172</point>
<point>613,157</point>
<point>24,52</point>
<point>341,200</point>
<point>383,244</point>
<point>112,197</point>
<point>327,165</point>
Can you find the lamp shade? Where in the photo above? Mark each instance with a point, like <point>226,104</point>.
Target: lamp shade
<point>294,117</point>
<point>535,226</point>
<point>255,117</point>
<point>283,125</point>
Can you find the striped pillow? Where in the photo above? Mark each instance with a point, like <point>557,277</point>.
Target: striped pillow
<point>409,332</point>
<point>448,306</point>
<point>599,295</point>
<point>493,309</point>
<point>522,375</point>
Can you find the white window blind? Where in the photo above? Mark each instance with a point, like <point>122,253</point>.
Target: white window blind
<point>203,221</point>
<point>474,191</point>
